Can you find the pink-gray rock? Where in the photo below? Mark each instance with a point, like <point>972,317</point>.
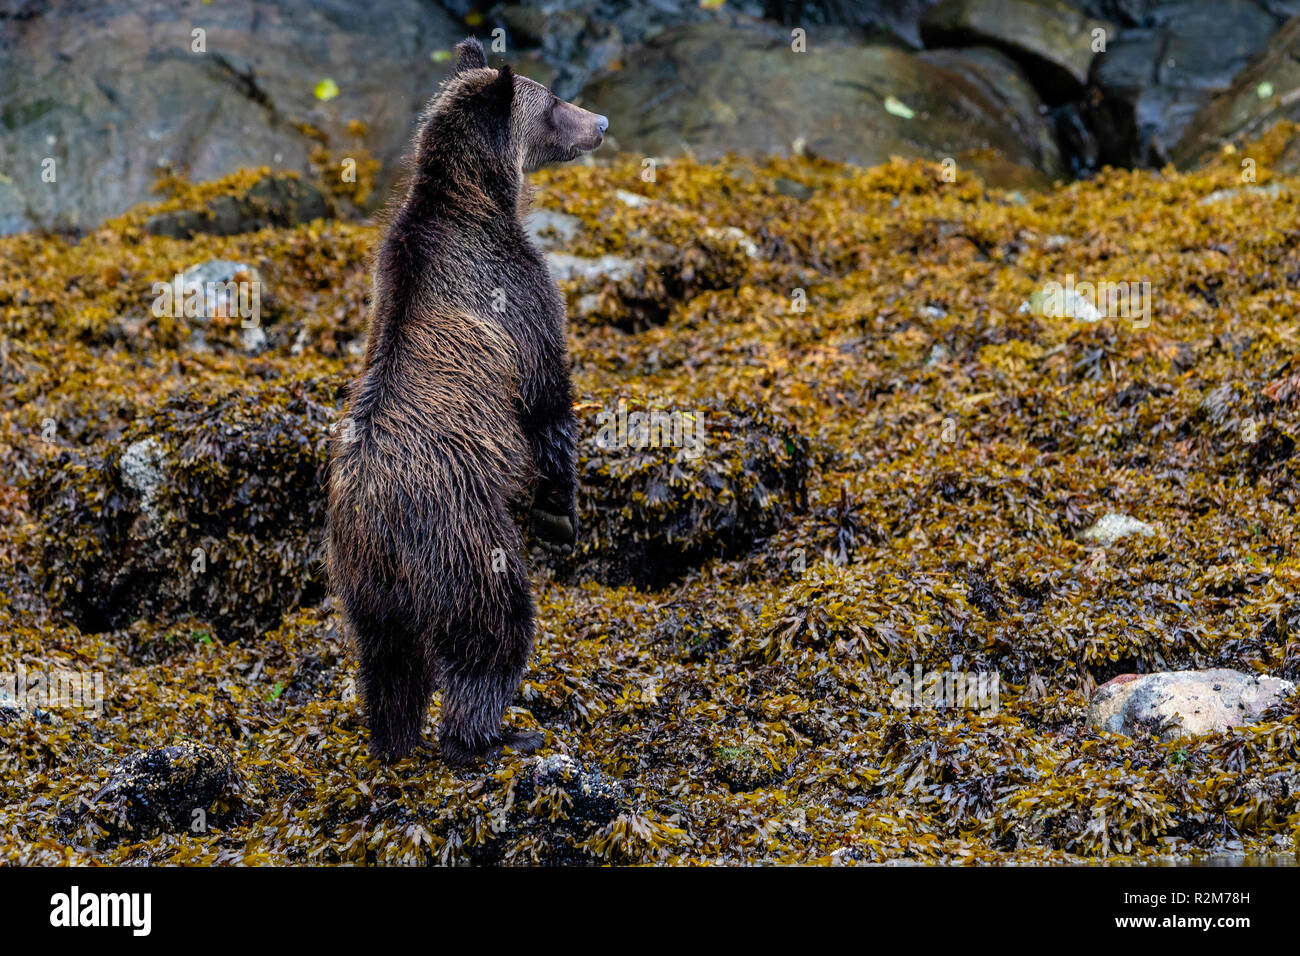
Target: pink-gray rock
<point>1175,704</point>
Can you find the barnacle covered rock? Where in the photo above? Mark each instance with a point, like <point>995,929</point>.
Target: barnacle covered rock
<point>589,797</point>
<point>212,506</point>
<point>167,789</point>
<point>665,487</point>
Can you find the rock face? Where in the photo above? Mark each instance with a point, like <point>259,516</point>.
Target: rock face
<point>837,100</point>
<point>1155,80</point>
<point>1257,97</point>
<point>1176,704</point>
<point>211,508</point>
<point>109,93</point>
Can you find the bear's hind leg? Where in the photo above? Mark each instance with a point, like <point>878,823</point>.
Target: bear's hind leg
<point>480,681</point>
<point>474,703</point>
<point>397,681</point>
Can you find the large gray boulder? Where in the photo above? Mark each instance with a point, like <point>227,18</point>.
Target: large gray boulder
<point>710,89</point>
<point>1259,96</point>
<point>111,92</point>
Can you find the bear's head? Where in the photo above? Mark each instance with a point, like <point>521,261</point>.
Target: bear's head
<point>494,121</point>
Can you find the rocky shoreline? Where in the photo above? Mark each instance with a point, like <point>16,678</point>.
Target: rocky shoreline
<point>907,526</point>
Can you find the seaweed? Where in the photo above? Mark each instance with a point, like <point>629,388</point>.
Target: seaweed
<point>904,451</point>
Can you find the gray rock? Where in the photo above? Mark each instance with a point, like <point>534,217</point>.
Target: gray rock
<point>788,187</point>
<point>1268,67</point>
<point>277,200</point>
<point>253,339</point>
<point>738,236</point>
<point>550,229</point>
<point>939,354</point>
<point>1155,80</point>
<point>579,39</point>
<point>1174,704</point>
<point>1062,303</point>
<point>565,266</point>
<point>142,471</point>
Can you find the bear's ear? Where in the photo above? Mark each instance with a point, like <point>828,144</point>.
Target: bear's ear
<point>500,93</point>
<point>469,55</point>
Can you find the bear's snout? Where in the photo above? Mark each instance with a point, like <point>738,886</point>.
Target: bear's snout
<point>585,130</point>
<point>591,131</point>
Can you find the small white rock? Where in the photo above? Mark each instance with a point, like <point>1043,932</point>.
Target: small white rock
<point>1114,526</point>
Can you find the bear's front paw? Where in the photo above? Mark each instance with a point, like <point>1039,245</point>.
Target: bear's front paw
<point>524,741</point>
<point>553,529</point>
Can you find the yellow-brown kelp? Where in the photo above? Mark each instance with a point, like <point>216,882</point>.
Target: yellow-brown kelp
<point>956,449</point>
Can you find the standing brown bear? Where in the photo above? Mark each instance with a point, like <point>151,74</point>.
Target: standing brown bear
<point>462,418</point>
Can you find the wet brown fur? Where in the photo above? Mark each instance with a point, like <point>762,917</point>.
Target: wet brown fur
<point>461,419</point>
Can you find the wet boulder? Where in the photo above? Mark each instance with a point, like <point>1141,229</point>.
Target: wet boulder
<point>1157,81</point>
<point>1256,94</point>
<point>1174,704</point>
<point>838,100</point>
<point>212,507</point>
<point>663,489</point>
<point>278,200</point>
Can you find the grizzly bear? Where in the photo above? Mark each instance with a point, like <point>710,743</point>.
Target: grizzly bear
<point>461,422</point>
